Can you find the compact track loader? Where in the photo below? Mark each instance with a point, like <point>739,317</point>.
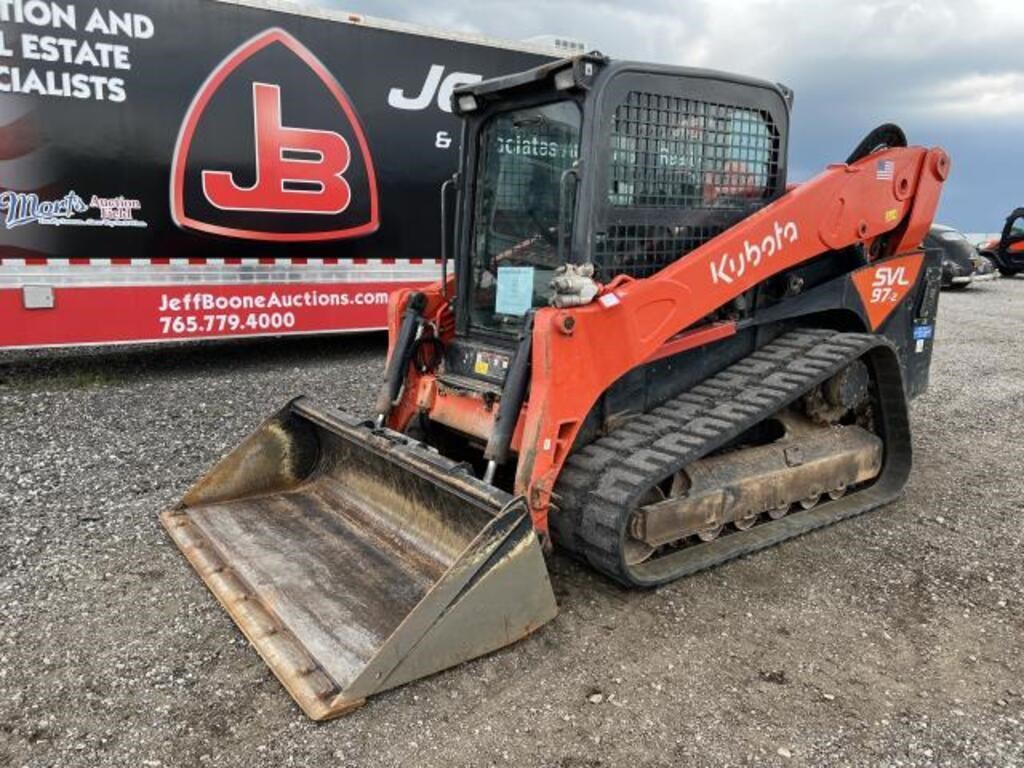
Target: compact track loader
<point>1006,252</point>
<point>650,352</point>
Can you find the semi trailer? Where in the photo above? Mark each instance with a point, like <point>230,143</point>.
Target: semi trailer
<point>192,169</point>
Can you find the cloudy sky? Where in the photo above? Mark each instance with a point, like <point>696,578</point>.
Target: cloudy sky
<point>951,72</point>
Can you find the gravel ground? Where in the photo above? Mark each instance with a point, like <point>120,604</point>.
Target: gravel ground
<point>892,639</point>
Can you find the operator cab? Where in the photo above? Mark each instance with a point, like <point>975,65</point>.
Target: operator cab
<point>624,166</point>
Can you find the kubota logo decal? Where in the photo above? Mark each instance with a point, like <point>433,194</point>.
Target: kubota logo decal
<point>883,286</point>
<point>731,266</point>
<point>272,149</point>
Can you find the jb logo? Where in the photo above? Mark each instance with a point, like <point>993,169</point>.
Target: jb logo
<point>271,148</point>
<point>298,170</point>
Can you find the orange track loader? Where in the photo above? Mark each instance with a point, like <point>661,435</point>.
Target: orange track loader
<point>650,353</point>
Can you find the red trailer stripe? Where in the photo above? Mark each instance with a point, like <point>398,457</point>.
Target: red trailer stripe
<point>136,313</point>
<point>23,254</point>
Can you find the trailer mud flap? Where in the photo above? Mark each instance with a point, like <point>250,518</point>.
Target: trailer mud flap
<point>356,560</point>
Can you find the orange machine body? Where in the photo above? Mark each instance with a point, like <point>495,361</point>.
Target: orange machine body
<point>578,353</point>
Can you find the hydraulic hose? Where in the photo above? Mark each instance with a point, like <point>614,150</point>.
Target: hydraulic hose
<point>513,394</point>
<point>394,375</point>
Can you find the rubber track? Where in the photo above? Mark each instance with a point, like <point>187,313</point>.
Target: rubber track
<point>603,482</point>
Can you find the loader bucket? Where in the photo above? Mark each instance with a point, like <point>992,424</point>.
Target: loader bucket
<point>356,560</point>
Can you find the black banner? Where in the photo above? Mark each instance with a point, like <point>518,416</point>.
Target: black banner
<point>196,128</point>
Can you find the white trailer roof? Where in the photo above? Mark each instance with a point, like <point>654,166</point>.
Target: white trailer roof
<point>358,19</point>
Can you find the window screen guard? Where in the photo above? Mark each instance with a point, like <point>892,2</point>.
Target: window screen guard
<point>673,154</point>
<point>671,151</point>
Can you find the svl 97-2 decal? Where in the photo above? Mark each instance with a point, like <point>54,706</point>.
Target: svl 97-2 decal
<point>883,286</point>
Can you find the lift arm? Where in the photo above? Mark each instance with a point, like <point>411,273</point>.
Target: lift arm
<point>578,353</point>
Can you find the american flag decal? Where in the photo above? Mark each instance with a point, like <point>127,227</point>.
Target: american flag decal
<point>884,170</point>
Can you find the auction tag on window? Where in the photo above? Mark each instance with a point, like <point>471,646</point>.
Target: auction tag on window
<point>515,291</point>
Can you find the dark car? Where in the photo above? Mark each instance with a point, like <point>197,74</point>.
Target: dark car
<point>1007,253</point>
<point>960,259</point>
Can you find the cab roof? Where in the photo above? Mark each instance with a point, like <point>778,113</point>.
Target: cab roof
<point>587,67</point>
